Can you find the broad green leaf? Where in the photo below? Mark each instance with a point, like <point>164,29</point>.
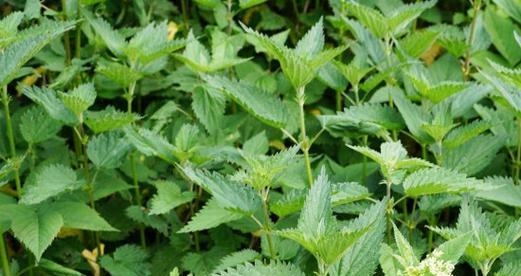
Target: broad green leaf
<point>503,191</point>
<point>168,196</point>
<point>229,194</point>
<point>312,42</point>
<point>210,216</point>
<point>438,180</point>
<point>80,216</point>
<point>107,150</point>
<point>258,268</point>
<point>20,52</point>
<point>360,259</point>
<point>36,126</point>
<point>9,25</point>
<point>119,73</point>
<point>108,119</point>
<point>56,268</point>
<point>501,31</point>
<point>79,99</point>
<point>453,249</point>
<point>51,181</point>
<point>419,42</point>
<point>34,227</point>
<point>259,103</point>
<point>129,260</point>
<point>48,99</point>
<point>112,38</point>
<point>209,106</point>
<point>406,253</point>
<point>139,214</point>
<point>150,143</point>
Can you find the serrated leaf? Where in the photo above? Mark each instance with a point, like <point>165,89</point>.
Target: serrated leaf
<point>127,260</point>
<point>312,42</point>
<point>35,228</point>
<point>119,73</point>
<point>20,52</point>
<point>227,193</point>
<point>150,143</point>
<point>36,126</point>
<point>108,119</point>
<point>259,269</point>
<point>107,150</point>
<point>80,216</point>
<point>112,38</point>
<point>259,103</point>
<point>138,214</point>
<point>210,216</point>
<point>48,99</point>
<point>209,106</point>
<point>464,133</point>
<point>79,99</point>
<point>168,196</point>
<point>51,181</point>
<point>500,29</point>
<point>438,180</point>
<point>237,258</point>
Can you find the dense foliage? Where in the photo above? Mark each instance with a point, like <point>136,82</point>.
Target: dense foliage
<point>257,137</point>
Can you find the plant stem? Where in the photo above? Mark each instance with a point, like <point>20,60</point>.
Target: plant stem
<point>10,138</point>
<point>338,100</point>
<point>66,39</point>
<point>466,65</point>
<point>137,192</point>
<point>304,139</point>
<point>267,225</point>
<point>4,258</point>
<point>184,9</point>
<point>517,163</point>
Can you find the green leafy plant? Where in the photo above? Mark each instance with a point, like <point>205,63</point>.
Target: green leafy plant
<point>255,137</point>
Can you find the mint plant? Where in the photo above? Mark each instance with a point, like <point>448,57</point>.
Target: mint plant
<point>207,137</point>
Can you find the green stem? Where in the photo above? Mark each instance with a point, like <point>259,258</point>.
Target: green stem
<point>304,141</point>
<point>137,192</point>
<point>338,98</point>
<point>466,64</point>
<point>517,163</point>
<point>4,258</point>
<point>389,209</point>
<point>267,225</point>
<point>66,39</point>
<point>10,138</point>
<point>184,9</point>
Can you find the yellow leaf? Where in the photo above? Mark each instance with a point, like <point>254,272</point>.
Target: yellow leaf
<point>172,30</point>
<point>92,258</point>
<point>68,232</point>
<point>277,144</point>
<point>315,112</point>
<point>430,55</point>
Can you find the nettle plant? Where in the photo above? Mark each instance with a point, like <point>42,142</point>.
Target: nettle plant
<point>260,137</point>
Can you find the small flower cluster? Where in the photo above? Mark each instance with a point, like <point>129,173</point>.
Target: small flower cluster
<point>432,265</point>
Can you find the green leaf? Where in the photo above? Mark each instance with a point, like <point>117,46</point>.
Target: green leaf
<point>500,29</point>
<point>407,257</point>
<point>210,216</point>
<point>51,181</point>
<point>48,99</point>
<point>360,258</point>
<point>79,99</point>
<point>418,42</point>
<point>168,197</point>
<point>438,180</point>
<point>34,227</point>
<point>464,133</point>
<point>119,73</point>
<point>139,214</point>
<point>107,150</point>
<point>112,38</point>
<point>150,143</point>
<point>36,126</point>
<point>503,191</point>
<point>237,258</point>
<point>465,158</point>
<point>453,249</point>
<point>262,105</point>
<point>227,193</point>
<point>127,260</point>
<point>20,52</point>
<point>312,42</point>
<point>57,269</point>
<point>260,269</point>
<point>9,25</point>
<point>414,117</point>
<point>108,119</point>
<point>370,18</point>
<point>80,216</point>
<point>209,106</point>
